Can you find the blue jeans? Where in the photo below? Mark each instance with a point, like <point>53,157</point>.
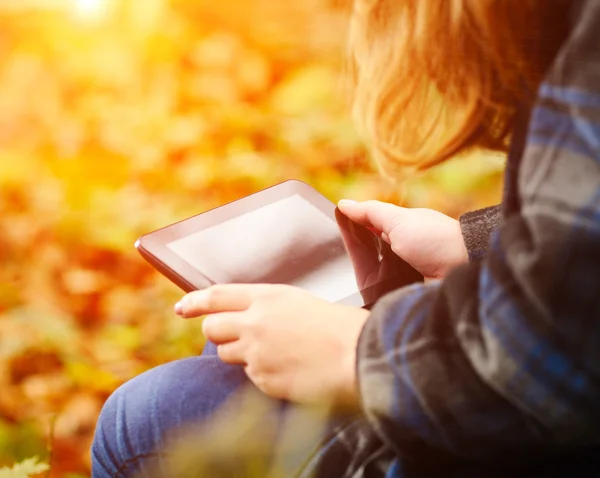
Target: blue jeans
<point>139,419</point>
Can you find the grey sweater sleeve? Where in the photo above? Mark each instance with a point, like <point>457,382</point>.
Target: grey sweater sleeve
<point>477,227</point>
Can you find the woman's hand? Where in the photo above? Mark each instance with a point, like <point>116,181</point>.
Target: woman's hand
<point>293,345</point>
<point>428,240</point>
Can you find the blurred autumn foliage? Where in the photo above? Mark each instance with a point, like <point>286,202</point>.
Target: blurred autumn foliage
<point>121,116</point>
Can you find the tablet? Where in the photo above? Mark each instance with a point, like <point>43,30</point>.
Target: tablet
<point>286,234</point>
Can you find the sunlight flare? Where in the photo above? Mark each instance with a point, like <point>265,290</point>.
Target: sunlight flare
<point>91,9</point>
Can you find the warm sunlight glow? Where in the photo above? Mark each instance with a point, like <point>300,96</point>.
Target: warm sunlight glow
<point>91,9</point>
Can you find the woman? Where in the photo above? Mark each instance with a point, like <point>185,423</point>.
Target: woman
<point>493,370</point>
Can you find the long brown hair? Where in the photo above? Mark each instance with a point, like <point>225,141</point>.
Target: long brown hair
<point>433,78</point>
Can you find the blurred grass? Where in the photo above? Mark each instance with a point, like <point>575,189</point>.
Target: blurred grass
<point>118,121</point>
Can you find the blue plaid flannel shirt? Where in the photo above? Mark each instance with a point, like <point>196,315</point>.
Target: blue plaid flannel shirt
<point>500,362</point>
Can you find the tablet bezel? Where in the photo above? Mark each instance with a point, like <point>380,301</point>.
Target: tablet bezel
<point>154,246</point>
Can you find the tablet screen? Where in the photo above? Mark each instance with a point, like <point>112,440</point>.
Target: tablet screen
<point>293,240</point>
<point>289,241</point>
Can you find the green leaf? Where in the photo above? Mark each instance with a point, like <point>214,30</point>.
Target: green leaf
<point>25,469</point>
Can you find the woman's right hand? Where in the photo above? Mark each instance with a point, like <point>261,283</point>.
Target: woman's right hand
<point>428,240</point>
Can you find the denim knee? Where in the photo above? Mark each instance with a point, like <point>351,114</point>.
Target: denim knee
<point>138,416</point>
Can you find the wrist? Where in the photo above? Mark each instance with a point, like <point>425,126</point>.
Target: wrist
<point>349,394</point>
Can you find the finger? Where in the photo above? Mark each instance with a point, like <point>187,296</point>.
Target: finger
<point>373,214</point>
<point>222,328</point>
<point>232,352</point>
<point>361,247</point>
<point>218,298</point>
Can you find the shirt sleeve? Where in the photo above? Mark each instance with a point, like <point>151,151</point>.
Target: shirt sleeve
<point>502,358</point>
<point>477,228</point>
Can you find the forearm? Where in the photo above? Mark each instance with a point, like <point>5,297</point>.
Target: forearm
<point>478,367</point>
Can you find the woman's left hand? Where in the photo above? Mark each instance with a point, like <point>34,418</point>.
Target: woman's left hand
<point>293,345</point>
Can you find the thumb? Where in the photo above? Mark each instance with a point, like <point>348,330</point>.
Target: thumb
<point>382,216</point>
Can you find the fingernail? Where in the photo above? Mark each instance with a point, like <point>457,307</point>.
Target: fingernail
<point>348,202</point>
<point>179,308</point>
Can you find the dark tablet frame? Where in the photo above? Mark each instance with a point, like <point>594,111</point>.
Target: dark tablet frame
<point>153,246</point>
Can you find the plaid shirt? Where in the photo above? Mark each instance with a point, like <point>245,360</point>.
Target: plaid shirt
<point>497,367</point>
